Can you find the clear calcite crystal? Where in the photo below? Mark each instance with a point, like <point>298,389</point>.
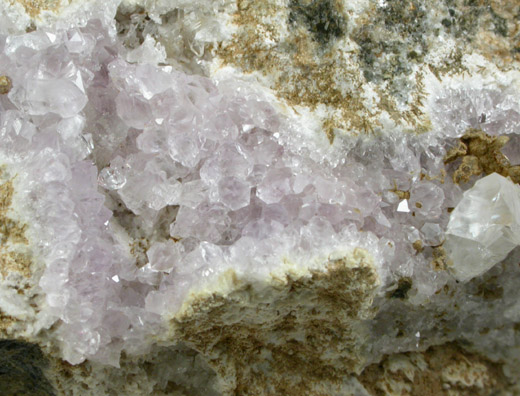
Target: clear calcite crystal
<point>174,222</point>
<point>484,227</point>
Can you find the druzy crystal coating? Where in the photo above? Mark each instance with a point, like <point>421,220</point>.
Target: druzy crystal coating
<point>143,183</point>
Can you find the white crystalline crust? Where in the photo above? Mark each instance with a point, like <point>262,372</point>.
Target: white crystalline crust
<point>143,186</point>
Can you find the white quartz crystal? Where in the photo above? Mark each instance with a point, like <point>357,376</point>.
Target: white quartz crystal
<point>484,227</point>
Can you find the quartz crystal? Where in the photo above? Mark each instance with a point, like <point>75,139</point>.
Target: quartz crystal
<point>165,205</point>
<point>484,227</point>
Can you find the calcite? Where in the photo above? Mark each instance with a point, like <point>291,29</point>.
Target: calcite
<point>484,227</point>
<point>260,198</point>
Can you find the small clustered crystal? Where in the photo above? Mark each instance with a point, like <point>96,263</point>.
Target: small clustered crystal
<point>209,176</point>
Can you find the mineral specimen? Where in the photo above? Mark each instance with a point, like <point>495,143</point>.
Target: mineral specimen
<point>259,198</point>
<point>484,227</point>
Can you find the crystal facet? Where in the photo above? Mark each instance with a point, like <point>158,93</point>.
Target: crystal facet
<point>484,227</point>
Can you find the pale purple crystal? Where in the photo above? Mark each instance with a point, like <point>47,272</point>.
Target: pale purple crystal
<point>112,157</point>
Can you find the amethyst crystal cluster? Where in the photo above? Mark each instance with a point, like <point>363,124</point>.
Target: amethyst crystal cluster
<point>141,184</point>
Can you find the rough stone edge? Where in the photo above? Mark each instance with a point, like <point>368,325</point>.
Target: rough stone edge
<point>287,334</point>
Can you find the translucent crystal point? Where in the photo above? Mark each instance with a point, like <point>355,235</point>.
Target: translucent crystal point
<point>484,227</point>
